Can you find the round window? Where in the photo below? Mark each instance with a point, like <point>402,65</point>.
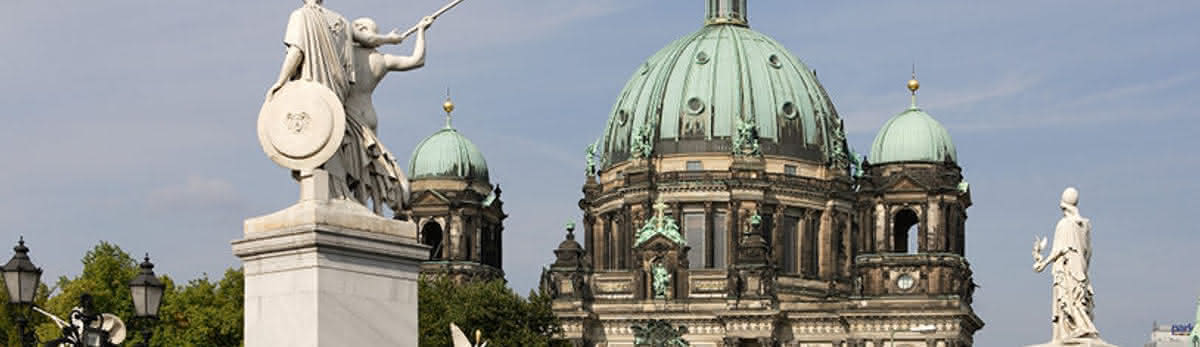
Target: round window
<point>622,117</point>
<point>701,58</point>
<point>789,110</point>
<point>695,105</point>
<point>774,61</point>
<point>905,282</point>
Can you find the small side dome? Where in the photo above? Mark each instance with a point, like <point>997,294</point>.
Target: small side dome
<point>912,135</point>
<point>447,154</point>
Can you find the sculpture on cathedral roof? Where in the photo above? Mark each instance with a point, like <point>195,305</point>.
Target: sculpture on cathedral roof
<point>1070,255</point>
<point>659,333</point>
<point>660,224</point>
<point>642,146</point>
<point>746,141</point>
<point>318,119</point>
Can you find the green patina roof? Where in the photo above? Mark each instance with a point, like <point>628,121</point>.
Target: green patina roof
<point>702,86</point>
<point>447,154</point>
<point>912,135</point>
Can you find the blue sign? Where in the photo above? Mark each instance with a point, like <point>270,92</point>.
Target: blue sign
<point>1181,329</point>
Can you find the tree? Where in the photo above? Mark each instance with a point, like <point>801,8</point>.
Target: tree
<point>8,323</point>
<point>107,270</point>
<point>201,313</point>
<point>504,318</point>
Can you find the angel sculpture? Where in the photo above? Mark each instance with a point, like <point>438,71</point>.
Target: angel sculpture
<point>460,339</point>
<point>104,329</point>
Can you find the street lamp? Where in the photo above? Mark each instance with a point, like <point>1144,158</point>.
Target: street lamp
<point>21,279</point>
<point>922,329</point>
<point>147,296</point>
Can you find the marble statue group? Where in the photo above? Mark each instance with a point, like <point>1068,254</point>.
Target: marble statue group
<point>318,118</point>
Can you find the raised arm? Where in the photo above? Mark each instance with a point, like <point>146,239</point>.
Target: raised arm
<point>371,39</point>
<point>290,64</point>
<point>404,63</point>
<point>417,59</point>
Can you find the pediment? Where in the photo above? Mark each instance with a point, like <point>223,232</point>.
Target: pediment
<point>906,182</point>
<point>429,197</point>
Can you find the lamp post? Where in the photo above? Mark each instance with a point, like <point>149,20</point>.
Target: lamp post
<point>923,329</point>
<point>21,280</point>
<point>147,297</point>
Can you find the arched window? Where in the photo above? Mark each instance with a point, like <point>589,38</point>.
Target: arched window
<point>904,231</point>
<point>431,235</point>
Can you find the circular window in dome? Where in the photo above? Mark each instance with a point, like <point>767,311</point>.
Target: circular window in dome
<point>774,61</point>
<point>622,117</point>
<point>695,105</point>
<point>788,110</point>
<point>701,58</point>
<point>645,68</point>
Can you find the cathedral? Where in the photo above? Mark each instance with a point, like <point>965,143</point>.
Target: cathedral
<point>722,198</point>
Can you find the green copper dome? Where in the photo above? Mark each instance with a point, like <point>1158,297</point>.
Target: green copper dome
<point>692,95</point>
<point>912,136</point>
<point>447,154</point>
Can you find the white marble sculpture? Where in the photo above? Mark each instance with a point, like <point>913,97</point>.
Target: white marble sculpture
<point>318,119</point>
<point>1073,297</point>
<point>461,340</point>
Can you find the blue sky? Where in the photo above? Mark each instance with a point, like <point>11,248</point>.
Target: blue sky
<point>133,122</point>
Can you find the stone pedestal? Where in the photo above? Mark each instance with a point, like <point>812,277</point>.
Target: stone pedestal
<point>330,273</point>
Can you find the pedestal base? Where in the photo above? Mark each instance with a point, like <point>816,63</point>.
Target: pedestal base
<point>330,273</point>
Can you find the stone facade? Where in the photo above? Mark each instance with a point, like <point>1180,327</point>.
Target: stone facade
<point>780,252</point>
<point>462,222</point>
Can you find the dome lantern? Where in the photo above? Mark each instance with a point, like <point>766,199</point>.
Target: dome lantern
<point>913,136</point>
<point>726,12</point>
<point>447,154</point>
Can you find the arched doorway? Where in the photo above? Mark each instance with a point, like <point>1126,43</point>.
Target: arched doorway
<point>904,231</point>
<point>431,235</point>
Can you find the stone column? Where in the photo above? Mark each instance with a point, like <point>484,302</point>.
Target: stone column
<point>882,238</point>
<point>825,244</point>
<point>935,230</point>
<point>330,273</point>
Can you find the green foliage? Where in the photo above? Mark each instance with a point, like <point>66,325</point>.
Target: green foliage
<point>107,271</point>
<point>201,313</point>
<point>504,318</point>
<point>8,323</point>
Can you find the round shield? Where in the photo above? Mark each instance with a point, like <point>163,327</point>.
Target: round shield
<point>302,125</point>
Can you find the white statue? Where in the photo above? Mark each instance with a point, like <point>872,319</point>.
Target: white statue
<point>318,119</point>
<point>1072,289</point>
<point>73,331</point>
<point>461,340</point>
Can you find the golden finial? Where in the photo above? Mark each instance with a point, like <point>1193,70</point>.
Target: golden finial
<point>448,106</point>
<point>913,85</point>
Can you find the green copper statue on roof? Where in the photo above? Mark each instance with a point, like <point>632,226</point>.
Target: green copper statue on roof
<point>746,141</point>
<point>641,147</point>
<point>659,333</point>
<point>660,224</point>
<point>591,159</point>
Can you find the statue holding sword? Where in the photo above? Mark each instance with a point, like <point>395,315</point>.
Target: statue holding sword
<point>318,119</point>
